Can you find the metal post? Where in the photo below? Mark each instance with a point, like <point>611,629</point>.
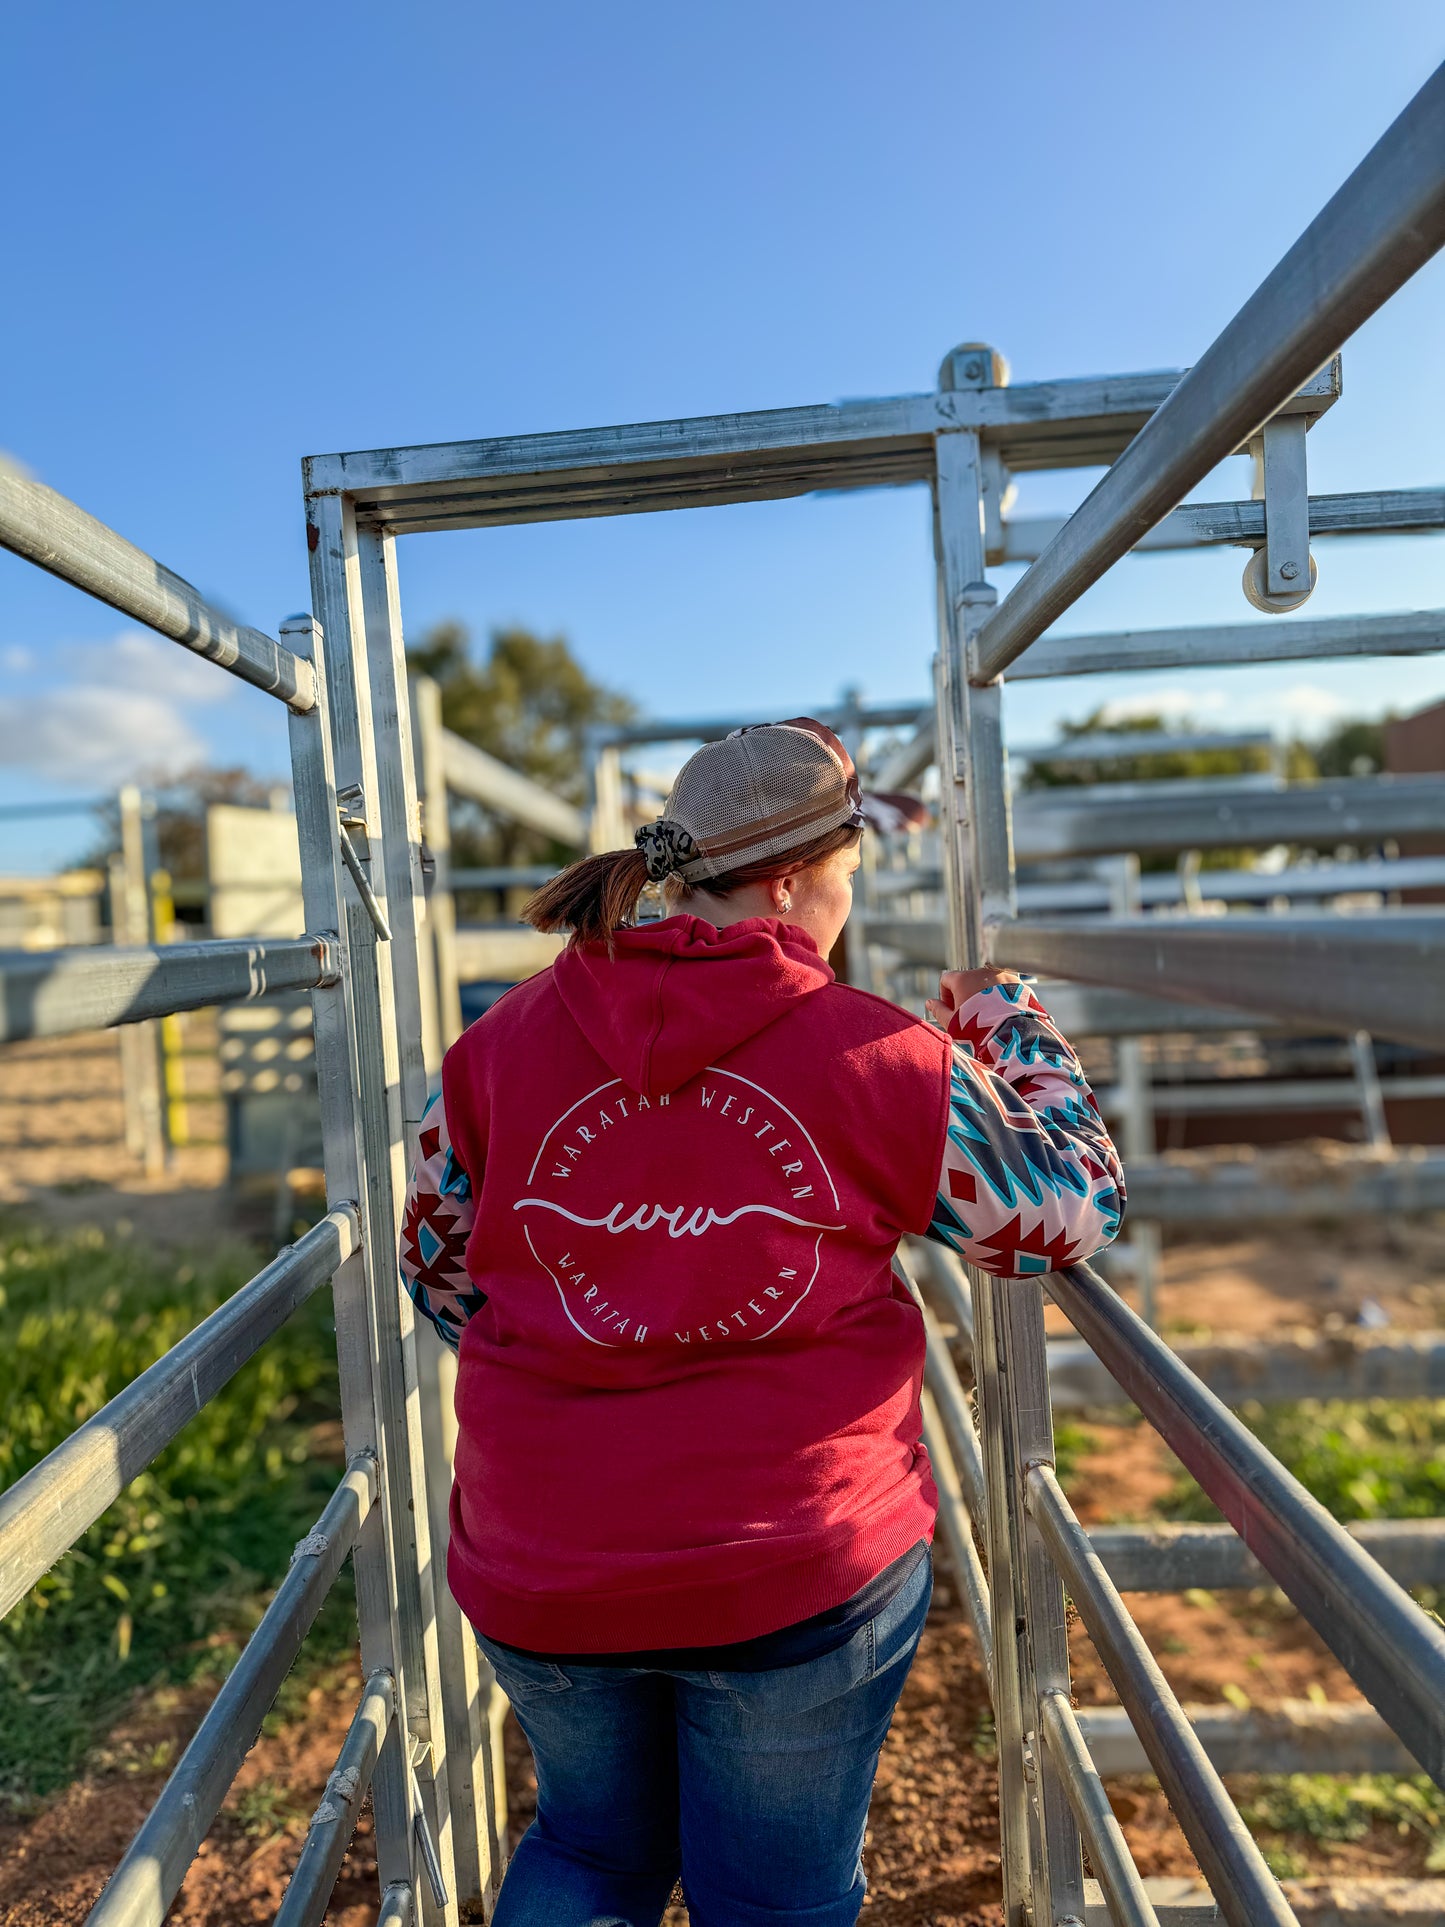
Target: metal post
<point>1137,1113</point>
<point>140,1044</point>
<point>359,1085</point>
<point>376,737</point>
<point>1042,1865</point>
<point>608,828</point>
<point>437,834</point>
<point>1372,1098</point>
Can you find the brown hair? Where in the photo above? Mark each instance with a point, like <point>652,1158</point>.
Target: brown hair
<point>597,895</point>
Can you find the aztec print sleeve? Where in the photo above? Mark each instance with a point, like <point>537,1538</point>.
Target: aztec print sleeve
<point>1030,1180</point>
<point>439,1214</point>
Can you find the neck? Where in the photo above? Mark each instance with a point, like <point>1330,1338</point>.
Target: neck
<point>753,900</point>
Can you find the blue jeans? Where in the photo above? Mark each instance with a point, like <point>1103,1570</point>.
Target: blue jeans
<point>753,1787</point>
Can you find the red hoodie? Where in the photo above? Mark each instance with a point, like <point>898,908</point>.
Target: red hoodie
<point>688,1409</point>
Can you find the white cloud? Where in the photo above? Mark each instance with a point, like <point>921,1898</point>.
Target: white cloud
<point>93,734</point>
<point>1305,706</point>
<point>149,665</point>
<point>104,712</point>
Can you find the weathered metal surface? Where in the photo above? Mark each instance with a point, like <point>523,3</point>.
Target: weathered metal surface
<point>1384,223</point>
<point>1223,812</point>
<point>1419,633</point>
<point>1395,511</point>
<point>1166,1557</point>
<point>45,1512</point>
<point>1203,1190</point>
<point>1342,1365</point>
<point>1246,1890</point>
<point>334,1821</point>
<point>1393,1652</point>
<point>1109,1855</point>
<point>472,772</point>
<point>712,459</point>
<point>51,993</point>
<point>1342,972</point>
<point>1294,1736</point>
<point>56,535</point>
<point>147,1880</point>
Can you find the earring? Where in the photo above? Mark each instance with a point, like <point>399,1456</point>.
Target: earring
<point>785,906</point>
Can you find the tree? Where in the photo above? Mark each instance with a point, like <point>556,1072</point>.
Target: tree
<point>530,703</point>
<point>1351,749</point>
<point>1125,768</point>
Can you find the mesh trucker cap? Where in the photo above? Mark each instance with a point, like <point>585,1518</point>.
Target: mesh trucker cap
<point>760,792</point>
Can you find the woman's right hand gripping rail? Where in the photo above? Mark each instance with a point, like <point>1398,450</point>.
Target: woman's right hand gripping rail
<point>1031,1180</point>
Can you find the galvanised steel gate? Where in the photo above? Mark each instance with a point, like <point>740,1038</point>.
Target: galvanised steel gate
<point>422,1730</point>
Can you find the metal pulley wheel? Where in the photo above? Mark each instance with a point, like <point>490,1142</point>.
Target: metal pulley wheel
<point>1255,591</point>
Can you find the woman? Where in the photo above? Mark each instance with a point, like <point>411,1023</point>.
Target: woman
<point>657,1203</point>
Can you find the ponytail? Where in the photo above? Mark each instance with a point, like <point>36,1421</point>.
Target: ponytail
<point>593,898</point>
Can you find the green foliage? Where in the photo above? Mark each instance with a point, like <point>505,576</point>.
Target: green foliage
<point>167,1583</point>
<point>1351,749</point>
<point>1378,1459</point>
<point>530,703</point>
<point>1326,1808</point>
<point>1125,768</point>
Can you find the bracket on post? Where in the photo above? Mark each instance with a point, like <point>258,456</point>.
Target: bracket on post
<point>351,815</point>
<point>1282,575</point>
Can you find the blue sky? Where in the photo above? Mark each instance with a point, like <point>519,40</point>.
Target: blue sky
<point>237,236</point>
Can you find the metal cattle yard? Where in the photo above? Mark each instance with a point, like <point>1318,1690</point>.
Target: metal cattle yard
<point>424,1736</point>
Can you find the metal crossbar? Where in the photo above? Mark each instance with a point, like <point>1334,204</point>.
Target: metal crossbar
<point>1384,223</point>
<point>45,1512</point>
<point>147,1880</point>
<point>53,533</point>
<point>54,993</point>
<point>334,1821</point>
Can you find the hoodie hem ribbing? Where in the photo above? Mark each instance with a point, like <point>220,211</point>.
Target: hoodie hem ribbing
<point>719,1611</point>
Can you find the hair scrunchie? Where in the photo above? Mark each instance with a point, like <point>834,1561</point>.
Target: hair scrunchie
<point>665,846</point>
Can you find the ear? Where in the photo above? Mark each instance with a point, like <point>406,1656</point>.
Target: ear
<point>782,890</point>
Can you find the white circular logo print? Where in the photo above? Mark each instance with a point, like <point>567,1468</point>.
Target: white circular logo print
<point>699,1218</point>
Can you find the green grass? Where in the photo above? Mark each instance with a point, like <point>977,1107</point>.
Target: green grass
<point>165,1586</point>
<point>1325,1808</point>
<point>1376,1459</point>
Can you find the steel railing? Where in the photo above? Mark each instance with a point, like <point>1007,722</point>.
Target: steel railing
<point>378,1513</point>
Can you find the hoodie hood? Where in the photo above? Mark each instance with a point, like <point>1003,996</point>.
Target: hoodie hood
<point>677,995</point>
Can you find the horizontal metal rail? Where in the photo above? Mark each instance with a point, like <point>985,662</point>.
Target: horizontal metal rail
<point>54,993</point>
<point>1224,812</point>
<point>1230,1095</point>
<point>1384,973</point>
<point>1106,746</point>
<point>1418,633</point>
<point>1355,1364</point>
<point>1206,1190</point>
<point>471,772</point>
<point>1393,1652</point>
<point>149,1877</point>
<point>56,535</point>
<point>334,1821</point>
<point>1291,1736</point>
<point>1385,222</point>
<point>712,729</point>
<point>45,1512</point>
<point>1376,876</point>
<point>1395,511</point>
<point>1176,1558</point>
<point>637,467</point>
<point>525,876</point>
<point>1245,1889</point>
<point>1129,1905</point>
